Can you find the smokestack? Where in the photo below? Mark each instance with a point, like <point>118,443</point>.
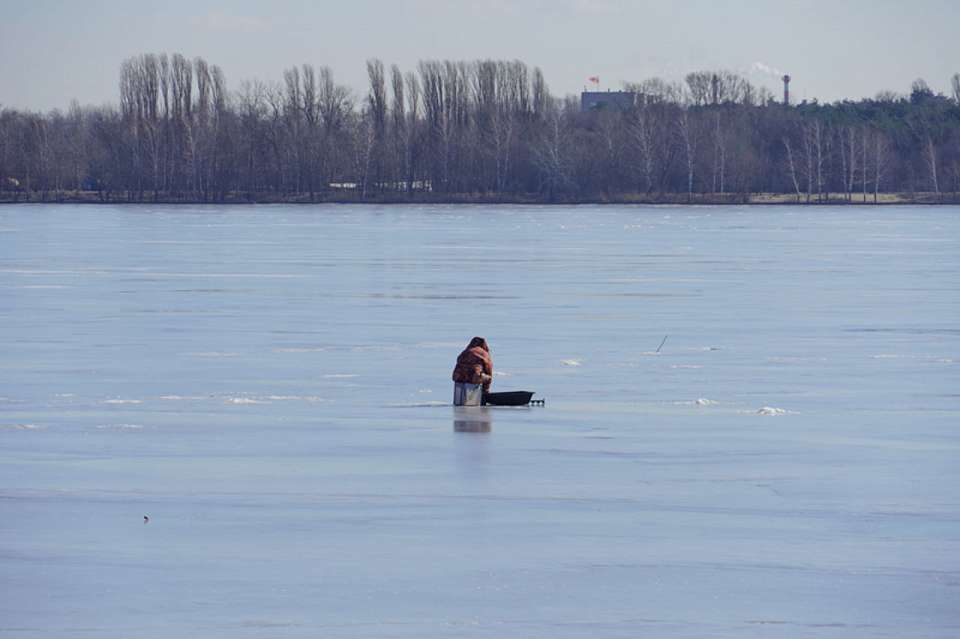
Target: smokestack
<point>786,90</point>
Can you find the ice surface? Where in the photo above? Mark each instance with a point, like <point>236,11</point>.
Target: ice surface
<point>253,379</point>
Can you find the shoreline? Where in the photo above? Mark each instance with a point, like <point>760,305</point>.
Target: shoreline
<point>756,199</point>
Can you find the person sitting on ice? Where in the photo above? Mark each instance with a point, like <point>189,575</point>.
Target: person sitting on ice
<point>472,374</point>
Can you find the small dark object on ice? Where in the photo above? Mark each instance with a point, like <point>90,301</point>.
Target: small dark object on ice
<point>512,398</point>
<point>662,343</point>
<point>146,519</point>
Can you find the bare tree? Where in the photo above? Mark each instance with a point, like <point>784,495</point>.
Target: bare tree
<point>541,94</point>
<point>399,129</point>
<point>930,157</point>
<point>719,156</point>
<point>848,159</point>
<point>366,134</point>
<point>792,167</point>
<point>414,128</point>
<point>719,87</point>
<point>700,85</point>
<point>642,135</point>
<point>657,91</point>
<point>816,153</point>
<point>810,155</point>
<point>880,149</point>
<point>437,121</point>
<point>552,154</point>
<point>688,143</point>
<point>863,159</point>
<point>377,110</point>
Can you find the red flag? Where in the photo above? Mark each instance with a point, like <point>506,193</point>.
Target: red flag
<point>594,78</point>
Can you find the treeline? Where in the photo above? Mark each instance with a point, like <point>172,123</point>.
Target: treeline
<point>482,130</point>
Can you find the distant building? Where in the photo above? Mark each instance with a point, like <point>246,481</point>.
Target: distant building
<point>607,100</point>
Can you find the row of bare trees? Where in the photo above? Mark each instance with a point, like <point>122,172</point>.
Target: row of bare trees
<point>485,129</point>
<point>174,118</point>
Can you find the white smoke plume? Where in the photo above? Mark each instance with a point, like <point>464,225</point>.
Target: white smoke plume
<point>766,69</point>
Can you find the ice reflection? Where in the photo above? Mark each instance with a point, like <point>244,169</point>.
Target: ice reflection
<point>472,419</point>
<point>472,453</point>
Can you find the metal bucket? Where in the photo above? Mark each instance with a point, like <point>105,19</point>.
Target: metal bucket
<point>467,394</point>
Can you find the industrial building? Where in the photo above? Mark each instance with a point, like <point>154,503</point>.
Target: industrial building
<point>607,100</point>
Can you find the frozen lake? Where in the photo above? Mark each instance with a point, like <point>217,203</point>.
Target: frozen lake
<point>270,385</point>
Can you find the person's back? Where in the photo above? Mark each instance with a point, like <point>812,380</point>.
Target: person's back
<point>472,374</point>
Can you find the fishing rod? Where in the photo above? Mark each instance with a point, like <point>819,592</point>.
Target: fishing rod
<point>662,343</point>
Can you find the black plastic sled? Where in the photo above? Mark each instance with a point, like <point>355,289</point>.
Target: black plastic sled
<point>512,398</point>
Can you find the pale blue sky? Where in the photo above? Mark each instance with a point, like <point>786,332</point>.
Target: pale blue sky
<point>52,51</point>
